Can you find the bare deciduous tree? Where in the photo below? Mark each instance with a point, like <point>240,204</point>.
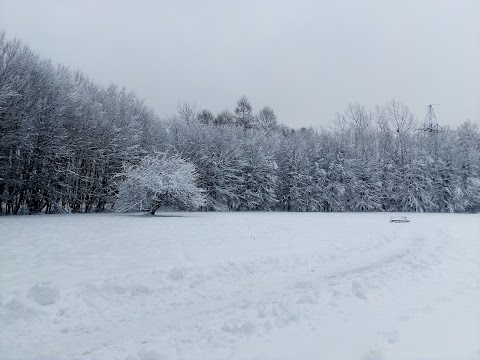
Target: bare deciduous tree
<point>187,111</point>
<point>266,119</point>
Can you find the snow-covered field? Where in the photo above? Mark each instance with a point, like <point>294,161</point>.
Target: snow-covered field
<point>240,286</point>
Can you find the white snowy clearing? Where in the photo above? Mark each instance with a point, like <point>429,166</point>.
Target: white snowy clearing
<point>240,286</point>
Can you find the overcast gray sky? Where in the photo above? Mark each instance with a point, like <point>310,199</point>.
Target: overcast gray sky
<point>306,59</point>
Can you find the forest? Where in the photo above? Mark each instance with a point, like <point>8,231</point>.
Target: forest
<point>65,141</point>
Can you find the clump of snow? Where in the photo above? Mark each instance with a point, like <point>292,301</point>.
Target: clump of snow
<point>372,355</point>
<point>44,293</point>
<point>306,299</point>
<point>14,310</point>
<point>357,290</point>
<point>177,273</point>
<point>244,328</point>
<point>391,337</point>
<point>151,355</point>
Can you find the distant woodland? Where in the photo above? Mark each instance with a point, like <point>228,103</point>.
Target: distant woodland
<point>65,141</point>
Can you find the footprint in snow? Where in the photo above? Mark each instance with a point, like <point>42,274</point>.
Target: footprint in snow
<point>235,327</point>
<point>372,355</point>
<point>306,299</point>
<point>391,337</point>
<point>333,304</point>
<point>357,290</point>
<point>177,273</point>
<point>149,355</point>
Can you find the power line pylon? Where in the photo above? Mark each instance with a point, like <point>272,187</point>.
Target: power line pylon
<point>430,125</point>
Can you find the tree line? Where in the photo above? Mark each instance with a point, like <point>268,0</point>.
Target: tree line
<point>65,139</point>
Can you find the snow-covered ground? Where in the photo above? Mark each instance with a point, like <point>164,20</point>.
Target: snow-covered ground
<point>240,286</point>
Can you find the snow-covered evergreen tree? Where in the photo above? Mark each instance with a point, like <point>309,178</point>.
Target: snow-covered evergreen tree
<point>366,187</point>
<point>467,165</point>
<point>416,187</point>
<point>259,176</point>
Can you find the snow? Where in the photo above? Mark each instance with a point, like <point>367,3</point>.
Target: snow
<point>240,286</point>
<point>44,293</point>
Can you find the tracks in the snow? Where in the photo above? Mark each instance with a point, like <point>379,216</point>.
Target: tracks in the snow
<point>233,300</point>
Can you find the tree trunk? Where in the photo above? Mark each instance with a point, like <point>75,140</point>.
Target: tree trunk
<point>155,208</point>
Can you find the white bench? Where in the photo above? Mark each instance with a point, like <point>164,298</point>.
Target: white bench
<point>399,219</point>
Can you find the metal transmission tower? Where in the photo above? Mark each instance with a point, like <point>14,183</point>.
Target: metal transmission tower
<point>430,125</point>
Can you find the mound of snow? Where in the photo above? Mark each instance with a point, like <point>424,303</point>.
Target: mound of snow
<point>177,273</point>
<point>44,293</point>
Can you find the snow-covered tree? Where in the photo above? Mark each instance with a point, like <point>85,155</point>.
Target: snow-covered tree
<point>205,117</point>
<point>366,187</point>
<point>258,177</point>
<point>243,112</point>
<point>468,154</point>
<point>266,119</point>
<point>159,180</point>
<point>224,118</point>
<point>416,187</point>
